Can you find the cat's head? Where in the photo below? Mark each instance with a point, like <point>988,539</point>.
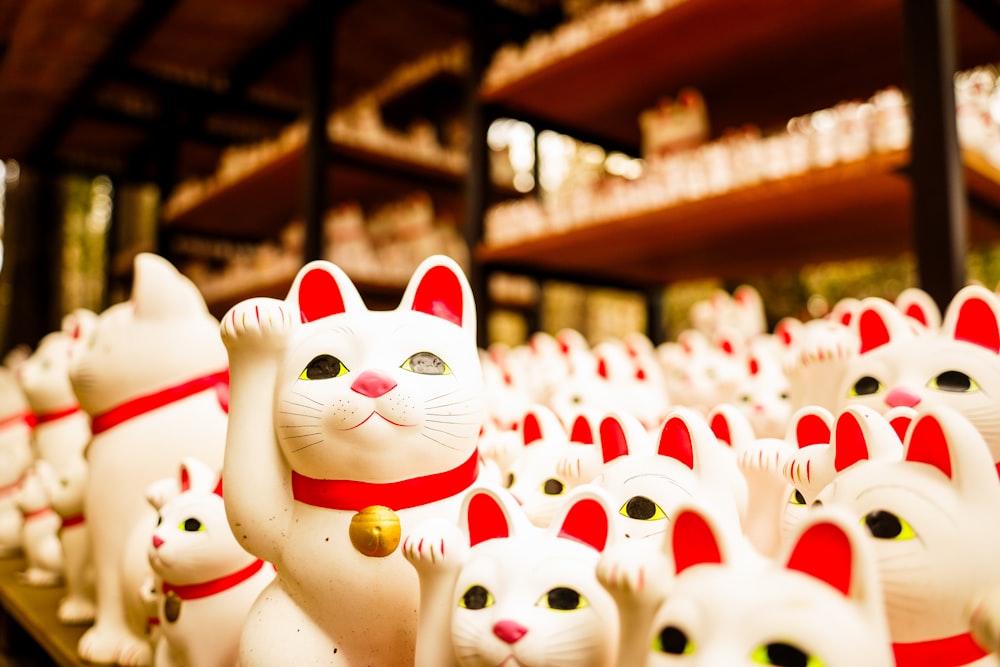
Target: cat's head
<point>380,396</point>
<point>529,596</point>
<point>931,517</point>
<point>161,337</point>
<point>818,603</point>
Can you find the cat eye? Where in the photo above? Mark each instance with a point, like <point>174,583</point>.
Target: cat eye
<point>784,655</point>
<point>191,525</point>
<point>553,487</point>
<point>642,508</point>
<point>426,363</point>
<point>866,386</point>
<point>887,526</point>
<point>323,367</point>
<point>956,381</point>
<point>797,498</point>
<point>562,598</point>
<point>476,597</point>
<point>673,640</point>
<point>510,479</point>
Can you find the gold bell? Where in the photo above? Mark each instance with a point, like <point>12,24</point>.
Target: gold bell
<point>375,531</point>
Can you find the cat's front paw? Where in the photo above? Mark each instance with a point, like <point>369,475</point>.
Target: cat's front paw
<point>581,464</point>
<point>435,545</point>
<point>258,325</point>
<point>634,571</point>
<point>765,457</point>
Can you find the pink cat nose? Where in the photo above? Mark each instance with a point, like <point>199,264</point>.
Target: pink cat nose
<point>157,541</point>
<point>509,631</point>
<point>901,396</point>
<point>373,383</point>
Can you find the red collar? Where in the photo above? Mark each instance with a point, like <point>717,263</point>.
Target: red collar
<point>46,417</point>
<point>149,402</point>
<point>70,521</point>
<point>341,494</point>
<point>947,652</point>
<point>207,588</point>
<point>9,489</point>
<point>18,418</point>
<point>35,514</point>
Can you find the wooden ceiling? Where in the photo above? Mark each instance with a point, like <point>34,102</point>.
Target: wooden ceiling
<point>108,84</point>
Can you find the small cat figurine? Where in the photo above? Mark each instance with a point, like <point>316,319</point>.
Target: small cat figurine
<point>931,518</point>
<point>347,428</point>
<point>153,377</point>
<point>43,554</point>
<point>818,603</point>
<point>206,581</point>
<point>16,424</point>
<point>503,591</point>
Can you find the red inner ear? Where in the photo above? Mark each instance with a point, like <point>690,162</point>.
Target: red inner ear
<point>675,442</point>
<point>185,479</point>
<point>720,427</point>
<point>872,330</point>
<point>602,368</point>
<point>978,324</point>
<point>586,522</point>
<point>928,445</point>
<point>754,366</point>
<point>900,424</point>
<point>914,311</point>
<point>824,551</point>
<point>486,519</point>
<point>850,446</point>
<point>531,430</point>
<point>218,488</point>
<point>319,296</point>
<point>811,429</point>
<point>581,431</point>
<point>613,442</point>
<point>693,541</point>
<point>440,294</point>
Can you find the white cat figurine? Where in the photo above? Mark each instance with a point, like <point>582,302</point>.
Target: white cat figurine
<point>153,378</point>
<point>503,591</point>
<point>43,554</point>
<point>206,580</point>
<point>16,424</point>
<point>347,427</point>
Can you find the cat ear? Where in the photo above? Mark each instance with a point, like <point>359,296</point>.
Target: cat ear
<point>693,539</point>
<point>586,518</point>
<point>679,434</point>
<point>582,431</point>
<point>620,433</point>
<point>824,550</point>
<point>944,438</point>
<point>878,322</point>
<point>731,426</point>
<point>849,444</point>
<point>811,425</point>
<point>918,305</point>
<point>486,515</point>
<point>540,423</point>
<point>845,311</point>
<point>160,291</point>
<point>321,289</point>
<point>973,316</point>
<point>196,474</point>
<point>439,287</point>
<point>900,418</point>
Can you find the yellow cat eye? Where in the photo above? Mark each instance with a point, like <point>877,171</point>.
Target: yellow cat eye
<point>673,640</point>
<point>885,525</point>
<point>865,386</point>
<point>797,498</point>
<point>323,367</point>
<point>426,363</point>
<point>955,381</point>
<point>476,597</point>
<point>553,487</point>
<point>784,655</point>
<point>191,525</point>
<point>642,508</point>
<point>562,598</point>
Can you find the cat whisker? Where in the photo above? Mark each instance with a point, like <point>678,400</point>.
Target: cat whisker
<point>320,441</point>
<point>297,426</point>
<point>440,443</point>
<point>440,396</point>
<point>298,414</point>
<point>305,407</point>
<point>308,398</point>
<point>453,421</point>
<point>303,435</point>
<point>449,433</point>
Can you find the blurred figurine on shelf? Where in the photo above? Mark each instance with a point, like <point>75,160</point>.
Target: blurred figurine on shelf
<point>43,555</point>
<point>347,427</point>
<point>16,455</point>
<point>153,378</point>
<point>205,582</point>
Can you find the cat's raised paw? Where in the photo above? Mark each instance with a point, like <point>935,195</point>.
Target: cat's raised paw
<point>435,544</point>
<point>258,325</point>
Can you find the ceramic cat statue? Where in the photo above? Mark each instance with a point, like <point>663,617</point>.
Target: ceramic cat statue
<point>43,554</point>
<point>206,582</point>
<point>153,378</point>
<point>931,519</point>
<point>503,591</point>
<point>16,424</point>
<point>347,428</point>
<point>818,603</point>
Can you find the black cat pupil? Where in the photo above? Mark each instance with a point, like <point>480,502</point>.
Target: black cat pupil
<point>475,597</point>
<point>322,367</point>
<point>641,508</point>
<point>883,525</point>
<point>192,525</point>
<point>799,498</point>
<point>427,363</point>
<point>786,655</point>
<point>673,640</point>
<point>563,599</point>
<point>954,381</point>
<point>510,480</point>
<point>866,385</point>
<point>553,487</point>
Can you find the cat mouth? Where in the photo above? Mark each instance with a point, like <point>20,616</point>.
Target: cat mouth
<point>375,413</point>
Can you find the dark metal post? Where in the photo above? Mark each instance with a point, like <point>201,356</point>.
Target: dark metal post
<point>477,178</point>
<point>317,109</point>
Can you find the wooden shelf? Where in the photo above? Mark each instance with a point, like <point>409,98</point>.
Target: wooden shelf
<point>849,211</point>
<point>754,61</point>
<point>34,609</point>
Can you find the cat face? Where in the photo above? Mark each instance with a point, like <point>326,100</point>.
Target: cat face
<point>530,597</point>
<point>44,376</point>
<point>362,394</point>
